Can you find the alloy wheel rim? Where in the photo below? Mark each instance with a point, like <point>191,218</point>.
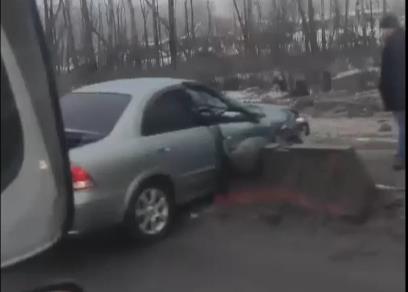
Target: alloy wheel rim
<point>152,211</point>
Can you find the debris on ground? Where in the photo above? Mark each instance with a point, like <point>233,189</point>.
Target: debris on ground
<point>385,127</point>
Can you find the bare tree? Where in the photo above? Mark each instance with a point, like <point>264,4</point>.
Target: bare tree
<point>210,19</point>
<point>234,20</point>
<point>259,12</point>
<point>312,27</point>
<point>250,23</point>
<point>245,20</point>
<point>305,26</point>
<point>346,24</point>
<point>134,35</point>
<point>186,21</point>
<point>323,28</point>
<point>155,27</point>
<point>145,13</point>
<point>372,21</point>
<point>363,22</point>
<point>153,8</point>
<point>159,30</point>
<point>172,34</point>
<point>71,54</point>
<point>336,22</point>
<point>53,37</point>
<point>144,16</point>
<point>193,35</point>
<point>89,52</point>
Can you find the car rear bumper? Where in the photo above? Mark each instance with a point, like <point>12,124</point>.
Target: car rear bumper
<point>94,211</point>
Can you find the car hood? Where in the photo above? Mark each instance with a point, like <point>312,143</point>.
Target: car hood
<point>274,114</point>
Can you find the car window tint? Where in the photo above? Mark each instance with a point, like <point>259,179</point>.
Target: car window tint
<point>11,133</point>
<point>93,112</point>
<point>172,111</point>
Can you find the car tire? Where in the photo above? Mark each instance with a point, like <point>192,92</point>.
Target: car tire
<point>150,212</point>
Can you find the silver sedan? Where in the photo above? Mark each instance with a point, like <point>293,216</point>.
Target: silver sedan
<point>141,147</point>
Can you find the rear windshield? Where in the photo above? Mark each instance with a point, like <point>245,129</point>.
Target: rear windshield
<point>93,112</point>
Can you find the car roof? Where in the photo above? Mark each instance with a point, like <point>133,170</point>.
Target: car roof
<point>136,87</point>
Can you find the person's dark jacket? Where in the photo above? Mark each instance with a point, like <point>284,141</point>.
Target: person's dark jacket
<point>392,80</point>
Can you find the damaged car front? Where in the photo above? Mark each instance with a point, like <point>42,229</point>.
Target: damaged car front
<point>287,125</point>
<point>244,141</point>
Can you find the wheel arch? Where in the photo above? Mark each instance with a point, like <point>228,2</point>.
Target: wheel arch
<point>148,178</point>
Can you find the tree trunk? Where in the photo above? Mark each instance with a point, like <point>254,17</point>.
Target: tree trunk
<point>234,21</point>
<point>242,24</point>
<point>154,9</point>
<point>134,43</point>
<point>145,32</point>
<point>304,26</point>
<point>210,23</point>
<point>346,24</point>
<point>364,23</point>
<point>312,28</point>
<point>186,22</point>
<point>144,16</point>
<point>336,21</point>
<point>172,34</point>
<point>87,36</point>
<point>156,33</point>
<point>100,29</point>
<point>250,26</point>
<point>259,11</point>
<point>322,18</point>
<point>372,21</point>
<point>193,35</point>
<point>159,30</point>
<point>71,50</point>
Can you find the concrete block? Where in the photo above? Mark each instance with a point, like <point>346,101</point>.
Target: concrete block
<point>325,178</point>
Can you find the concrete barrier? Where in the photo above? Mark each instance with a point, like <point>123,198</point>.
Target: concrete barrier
<point>328,179</point>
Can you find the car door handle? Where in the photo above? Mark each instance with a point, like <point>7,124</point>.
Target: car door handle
<point>164,150</point>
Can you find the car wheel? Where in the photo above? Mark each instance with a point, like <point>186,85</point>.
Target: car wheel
<point>150,213</point>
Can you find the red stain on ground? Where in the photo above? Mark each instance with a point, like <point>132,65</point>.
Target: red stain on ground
<point>266,195</point>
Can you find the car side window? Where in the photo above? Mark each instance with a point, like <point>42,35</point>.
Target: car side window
<point>170,112</point>
<point>11,133</point>
<point>203,97</point>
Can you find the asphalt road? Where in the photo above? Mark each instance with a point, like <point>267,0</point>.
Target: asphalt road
<point>235,249</point>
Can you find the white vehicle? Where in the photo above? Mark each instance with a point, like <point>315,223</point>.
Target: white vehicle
<point>36,200</point>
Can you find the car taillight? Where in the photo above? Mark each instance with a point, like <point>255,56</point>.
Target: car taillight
<point>81,179</point>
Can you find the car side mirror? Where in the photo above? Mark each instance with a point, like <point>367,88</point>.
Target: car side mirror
<point>60,287</point>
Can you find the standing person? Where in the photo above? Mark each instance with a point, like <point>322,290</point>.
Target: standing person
<point>392,80</point>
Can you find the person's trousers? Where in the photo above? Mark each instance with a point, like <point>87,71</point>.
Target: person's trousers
<point>400,118</point>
